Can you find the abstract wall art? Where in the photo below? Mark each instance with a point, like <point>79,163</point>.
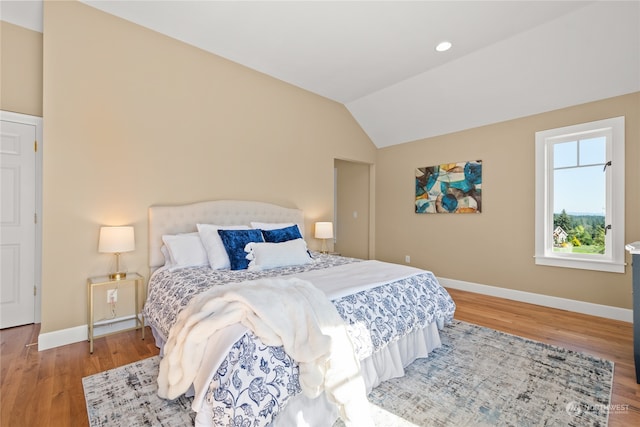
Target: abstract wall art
<point>449,188</point>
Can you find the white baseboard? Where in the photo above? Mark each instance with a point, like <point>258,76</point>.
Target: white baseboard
<point>599,310</point>
<point>81,333</point>
<point>62,337</point>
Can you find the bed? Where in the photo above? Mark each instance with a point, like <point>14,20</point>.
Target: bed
<point>390,313</point>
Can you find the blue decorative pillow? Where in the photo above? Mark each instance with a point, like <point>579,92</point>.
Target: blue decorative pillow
<point>282,234</point>
<point>234,242</point>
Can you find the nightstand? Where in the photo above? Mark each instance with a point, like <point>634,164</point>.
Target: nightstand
<point>93,282</point>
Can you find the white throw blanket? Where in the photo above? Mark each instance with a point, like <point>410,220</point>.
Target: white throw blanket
<point>288,312</point>
<point>349,279</point>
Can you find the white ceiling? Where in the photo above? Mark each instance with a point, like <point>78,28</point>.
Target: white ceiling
<point>509,58</point>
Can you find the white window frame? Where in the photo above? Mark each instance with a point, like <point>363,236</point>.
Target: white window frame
<point>613,259</point>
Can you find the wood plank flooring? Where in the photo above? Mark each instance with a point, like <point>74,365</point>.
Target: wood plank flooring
<point>45,388</point>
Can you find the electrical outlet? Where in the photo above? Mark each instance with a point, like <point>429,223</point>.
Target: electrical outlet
<point>112,295</point>
<point>407,259</point>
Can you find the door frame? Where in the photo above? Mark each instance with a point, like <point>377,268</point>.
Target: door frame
<point>370,208</point>
<point>37,122</point>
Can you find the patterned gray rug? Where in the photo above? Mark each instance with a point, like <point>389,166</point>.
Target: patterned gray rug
<point>479,377</point>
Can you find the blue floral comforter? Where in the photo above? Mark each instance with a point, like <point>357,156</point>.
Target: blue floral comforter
<point>255,381</point>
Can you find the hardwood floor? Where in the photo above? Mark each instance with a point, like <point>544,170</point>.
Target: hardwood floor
<point>45,388</point>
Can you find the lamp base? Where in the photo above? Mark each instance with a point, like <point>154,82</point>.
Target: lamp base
<point>117,276</point>
<point>324,249</point>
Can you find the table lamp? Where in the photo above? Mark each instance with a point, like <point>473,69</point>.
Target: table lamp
<point>324,231</point>
<point>116,240</point>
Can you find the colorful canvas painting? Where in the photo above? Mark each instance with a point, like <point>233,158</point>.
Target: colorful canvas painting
<point>449,188</point>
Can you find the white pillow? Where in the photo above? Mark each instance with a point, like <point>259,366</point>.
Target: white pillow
<point>168,262</point>
<point>216,253</point>
<point>263,256</point>
<point>271,225</point>
<point>185,250</point>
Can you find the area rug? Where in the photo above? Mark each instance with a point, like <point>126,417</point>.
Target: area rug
<point>483,377</point>
<point>128,397</point>
<point>479,377</point>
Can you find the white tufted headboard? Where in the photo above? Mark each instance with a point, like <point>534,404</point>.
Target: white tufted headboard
<point>183,219</point>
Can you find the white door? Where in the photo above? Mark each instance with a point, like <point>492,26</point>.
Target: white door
<point>17,223</point>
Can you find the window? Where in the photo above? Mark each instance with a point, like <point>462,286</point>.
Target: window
<point>580,196</point>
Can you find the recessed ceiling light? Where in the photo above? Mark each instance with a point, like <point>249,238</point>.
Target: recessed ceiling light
<point>443,46</point>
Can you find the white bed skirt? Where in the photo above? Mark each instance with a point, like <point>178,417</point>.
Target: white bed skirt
<point>387,363</point>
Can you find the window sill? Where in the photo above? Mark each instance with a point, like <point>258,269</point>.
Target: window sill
<point>582,264</point>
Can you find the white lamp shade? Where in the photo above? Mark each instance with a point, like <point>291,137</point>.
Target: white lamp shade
<point>324,230</point>
<point>116,239</point>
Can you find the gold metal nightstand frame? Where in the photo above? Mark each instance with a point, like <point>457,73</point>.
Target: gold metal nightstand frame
<point>93,282</point>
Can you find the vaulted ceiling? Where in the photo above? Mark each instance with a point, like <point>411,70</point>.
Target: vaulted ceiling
<point>509,59</point>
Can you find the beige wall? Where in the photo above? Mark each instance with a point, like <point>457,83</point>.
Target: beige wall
<point>21,71</point>
<point>134,118</point>
<point>496,247</point>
